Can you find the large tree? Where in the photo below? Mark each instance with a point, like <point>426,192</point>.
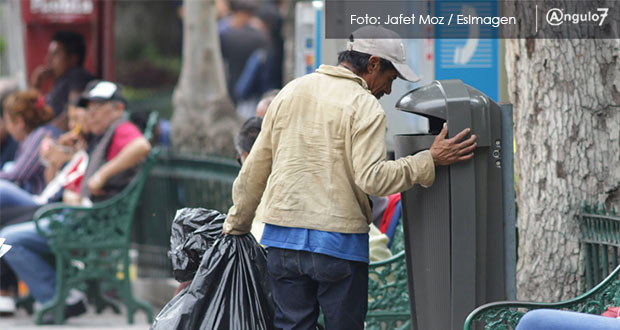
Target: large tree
<point>204,119</point>
<point>566,97</point>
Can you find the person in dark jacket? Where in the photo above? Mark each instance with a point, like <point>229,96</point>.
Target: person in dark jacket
<point>64,68</point>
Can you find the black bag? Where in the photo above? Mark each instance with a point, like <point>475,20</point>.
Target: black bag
<point>230,290</point>
<point>193,232</point>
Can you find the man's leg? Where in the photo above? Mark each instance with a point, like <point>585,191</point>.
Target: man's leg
<point>294,293</point>
<point>26,261</point>
<point>343,291</point>
<point>546,319</point>
<point>13,195</point>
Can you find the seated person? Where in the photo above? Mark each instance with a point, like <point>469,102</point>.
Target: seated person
<point>392,215</point>
<point>54,154</point>
<point>54,157</point>
<point>547,319</point>
<point>27,123</point>
<point>25,116</point>
<point>66,159</point>
<point>112,165</point>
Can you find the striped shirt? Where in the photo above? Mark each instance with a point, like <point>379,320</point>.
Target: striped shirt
<point>28,170</point>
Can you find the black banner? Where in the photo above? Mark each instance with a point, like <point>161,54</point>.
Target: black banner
<point>414,19</point>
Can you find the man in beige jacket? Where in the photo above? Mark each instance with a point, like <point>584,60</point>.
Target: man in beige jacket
<point>320,153</point>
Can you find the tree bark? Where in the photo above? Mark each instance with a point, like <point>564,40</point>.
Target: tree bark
<point>566,102</point>
<point>204,119</point>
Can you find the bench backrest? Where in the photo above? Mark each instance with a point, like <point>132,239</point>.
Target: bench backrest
<point>600,237</point>
<point>177,181</point>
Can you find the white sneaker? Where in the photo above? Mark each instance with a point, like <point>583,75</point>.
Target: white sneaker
<point>75,296</point>
<point>7,305</point>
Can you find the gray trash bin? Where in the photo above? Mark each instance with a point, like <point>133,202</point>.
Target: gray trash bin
<point>457,249</point>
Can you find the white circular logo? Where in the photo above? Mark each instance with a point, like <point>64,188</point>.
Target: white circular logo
<point>555,16</point>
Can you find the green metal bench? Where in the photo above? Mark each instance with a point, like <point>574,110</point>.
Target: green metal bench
<point>177,181</point>
<point>388,291</point>
<point>600,240</point>
<point>91,248</point>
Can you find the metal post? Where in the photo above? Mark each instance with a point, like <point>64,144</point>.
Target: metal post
<point>508,193</point>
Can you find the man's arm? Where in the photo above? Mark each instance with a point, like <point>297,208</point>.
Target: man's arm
<point>250,184</point>
<point>39,75</point>
<point>378,177</point>
<point>129,156</point>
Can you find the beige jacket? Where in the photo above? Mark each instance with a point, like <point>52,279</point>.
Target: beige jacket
<point>321,150</point>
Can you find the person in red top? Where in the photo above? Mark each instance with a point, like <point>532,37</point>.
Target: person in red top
<point>120,144</point>
<point>124,134</point>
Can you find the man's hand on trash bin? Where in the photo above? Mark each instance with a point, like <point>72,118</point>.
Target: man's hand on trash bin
<point>449,151</point>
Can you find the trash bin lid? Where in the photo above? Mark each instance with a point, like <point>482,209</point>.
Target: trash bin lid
<point>433,100</point>
<point>428,101</point>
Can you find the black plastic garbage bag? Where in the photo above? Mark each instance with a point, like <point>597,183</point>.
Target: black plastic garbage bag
<point>194,230</point>
<point>229,292</point>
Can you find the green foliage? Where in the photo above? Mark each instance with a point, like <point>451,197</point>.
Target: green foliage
<point>168,63</point>
<point>148,99</point>
<point>149,53</point>
<point>134,94</point>
<point>2,51</point>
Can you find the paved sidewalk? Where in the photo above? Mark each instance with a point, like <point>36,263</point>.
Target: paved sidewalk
<point>91,321</point>
<point>156,291</point>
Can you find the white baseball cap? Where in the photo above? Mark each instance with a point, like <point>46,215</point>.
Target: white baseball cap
<point>379,41</point>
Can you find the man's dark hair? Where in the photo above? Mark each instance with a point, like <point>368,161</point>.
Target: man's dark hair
<point>73,44</point>
<point>359,61</point>
<point>248,134</point>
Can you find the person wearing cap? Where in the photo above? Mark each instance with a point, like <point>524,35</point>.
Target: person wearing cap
<point>120,144</point>
<point>113,163</point>
<point>320,153</point>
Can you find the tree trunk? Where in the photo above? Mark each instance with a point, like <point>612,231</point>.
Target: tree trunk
<point>12,57</point>
<point>567,128</point>
<point>204,119</point>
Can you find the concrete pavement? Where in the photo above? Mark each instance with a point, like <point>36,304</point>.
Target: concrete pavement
<point>156,291</point>
<point>89,321</point>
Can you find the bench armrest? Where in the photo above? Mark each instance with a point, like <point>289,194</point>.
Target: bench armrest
<point>102,223</point>
<point>497,315</point>
<point>54,214</point>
